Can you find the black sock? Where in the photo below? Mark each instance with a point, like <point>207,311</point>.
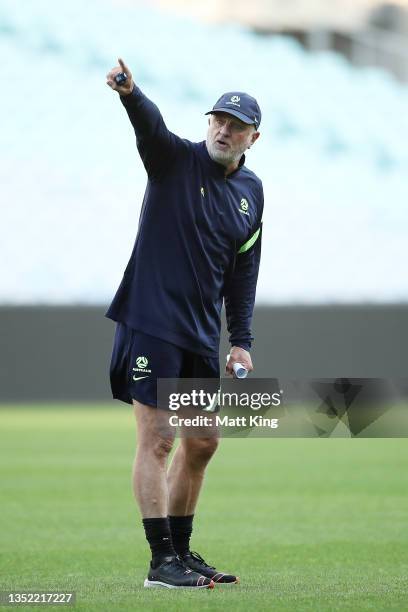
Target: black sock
<point>158,535</point>
<point>181,528</point>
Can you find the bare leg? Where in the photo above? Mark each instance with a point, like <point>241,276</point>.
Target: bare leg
<point>149,470</point>
<point>186,473</point>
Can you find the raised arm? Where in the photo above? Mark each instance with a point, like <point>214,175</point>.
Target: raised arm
<point>157,146</point>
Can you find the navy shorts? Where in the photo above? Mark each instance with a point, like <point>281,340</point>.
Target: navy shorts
<point>138,360</point>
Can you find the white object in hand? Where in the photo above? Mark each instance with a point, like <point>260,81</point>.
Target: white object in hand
<point>239,369</point>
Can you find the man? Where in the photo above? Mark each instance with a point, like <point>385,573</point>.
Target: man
<point>198,243</point>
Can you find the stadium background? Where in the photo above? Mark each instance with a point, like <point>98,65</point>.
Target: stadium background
<point>331,79</point>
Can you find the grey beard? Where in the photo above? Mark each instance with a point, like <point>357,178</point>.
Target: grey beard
<point>222,157</point>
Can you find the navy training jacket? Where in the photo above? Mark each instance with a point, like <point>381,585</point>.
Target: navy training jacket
<point>198,241</point>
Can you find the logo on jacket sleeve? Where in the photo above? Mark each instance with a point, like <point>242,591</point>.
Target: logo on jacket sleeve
<point>244,206</point>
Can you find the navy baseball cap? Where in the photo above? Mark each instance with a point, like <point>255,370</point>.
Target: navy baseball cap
<point>240,105</point>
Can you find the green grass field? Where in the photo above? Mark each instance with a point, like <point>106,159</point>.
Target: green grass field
<point>308,524</point>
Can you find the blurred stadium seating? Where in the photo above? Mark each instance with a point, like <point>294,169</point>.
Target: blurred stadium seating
<point>367,32</point>
<point>333,154</point>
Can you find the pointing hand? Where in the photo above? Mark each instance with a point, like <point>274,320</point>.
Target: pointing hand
<point>124,89</point>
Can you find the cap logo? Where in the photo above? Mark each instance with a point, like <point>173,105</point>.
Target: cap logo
<point>235,101</point>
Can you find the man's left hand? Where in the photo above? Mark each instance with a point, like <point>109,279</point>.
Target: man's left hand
<point>238,355</point>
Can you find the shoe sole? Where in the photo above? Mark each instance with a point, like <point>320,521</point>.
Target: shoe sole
<point>151,584</point>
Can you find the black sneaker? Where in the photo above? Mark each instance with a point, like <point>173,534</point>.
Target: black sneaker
<point>173,574</point>
<point>195,562</point>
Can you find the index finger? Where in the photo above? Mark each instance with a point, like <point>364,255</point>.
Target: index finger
<point>123,66</point>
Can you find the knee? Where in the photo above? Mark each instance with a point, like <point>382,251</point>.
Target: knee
<point>154,446</point>
<point>200,450</point>
<point>161,448</point>
<point>154,439</point>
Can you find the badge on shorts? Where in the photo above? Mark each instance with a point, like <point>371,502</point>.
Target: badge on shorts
<point>141,362</point>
